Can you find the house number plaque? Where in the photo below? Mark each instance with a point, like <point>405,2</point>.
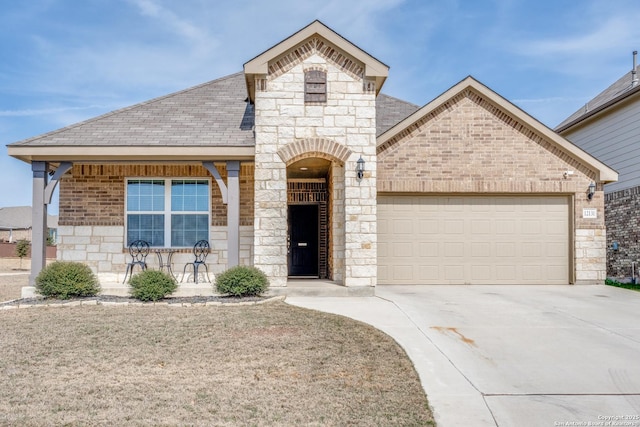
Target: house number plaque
<point>589,213</point>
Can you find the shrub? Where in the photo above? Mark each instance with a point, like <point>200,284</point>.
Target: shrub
<point>152,285</point>
<point>242,281</point>
<point>66,279</point>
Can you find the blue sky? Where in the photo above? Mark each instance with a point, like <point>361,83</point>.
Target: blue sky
<point>65,61</point>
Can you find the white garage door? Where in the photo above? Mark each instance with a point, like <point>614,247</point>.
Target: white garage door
<point>473,240</point>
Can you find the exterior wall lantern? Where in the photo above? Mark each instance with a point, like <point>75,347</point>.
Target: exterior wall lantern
<point>360,168</point>
<point>591,191</point>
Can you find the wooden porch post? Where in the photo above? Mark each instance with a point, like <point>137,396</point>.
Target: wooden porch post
<point>38,220</point>
<point>233,213</point>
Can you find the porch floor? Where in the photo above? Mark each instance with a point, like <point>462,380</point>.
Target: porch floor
<point>320,288</point>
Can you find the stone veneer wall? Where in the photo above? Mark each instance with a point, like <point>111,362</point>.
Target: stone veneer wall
<point>91,221</point>
<point>346,119</point>
<point>623,226</point>
<point>470,146</point>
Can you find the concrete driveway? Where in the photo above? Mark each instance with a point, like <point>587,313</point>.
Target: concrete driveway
<point>513,355</point>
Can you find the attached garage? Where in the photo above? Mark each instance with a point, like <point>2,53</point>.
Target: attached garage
<point>453,239</point>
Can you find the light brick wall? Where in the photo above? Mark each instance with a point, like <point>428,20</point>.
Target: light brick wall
<point>469,146</point>
<point>345,124</point>
<point>94,194</point>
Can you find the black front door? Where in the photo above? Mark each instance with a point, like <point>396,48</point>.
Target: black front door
<point>303,240</point>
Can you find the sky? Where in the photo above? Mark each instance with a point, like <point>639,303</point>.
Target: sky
<point>64,61</point>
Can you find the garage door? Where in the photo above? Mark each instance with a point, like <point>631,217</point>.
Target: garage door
<point>473,240</point>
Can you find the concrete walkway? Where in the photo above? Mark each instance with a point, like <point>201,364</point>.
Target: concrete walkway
<point>513,355</point>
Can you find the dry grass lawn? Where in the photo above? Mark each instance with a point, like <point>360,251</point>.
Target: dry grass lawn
<point>262,365</point>
<point>11,286</point>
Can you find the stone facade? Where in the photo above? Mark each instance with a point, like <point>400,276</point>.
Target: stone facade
<point>344,124</point>
<point>623,233</point>
<point>470,146</point>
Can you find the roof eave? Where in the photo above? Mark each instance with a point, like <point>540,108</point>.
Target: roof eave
<point>596,111</point>
<point>94,154</point>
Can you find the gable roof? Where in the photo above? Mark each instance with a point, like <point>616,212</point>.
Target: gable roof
<point>205,122</point>
<point>19,218</point>
<point>605,173</point>
<point>611,96</point>
<point>373,68</point>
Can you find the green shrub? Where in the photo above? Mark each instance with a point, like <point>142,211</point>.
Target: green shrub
<point>242,281</point>
<point>66,279</point>
<point>152,285</point>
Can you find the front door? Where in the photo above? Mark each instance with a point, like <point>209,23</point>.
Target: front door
<point>303,240</point>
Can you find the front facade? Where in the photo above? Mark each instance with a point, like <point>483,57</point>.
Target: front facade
<point>302,168</point>
<point>608,127</point>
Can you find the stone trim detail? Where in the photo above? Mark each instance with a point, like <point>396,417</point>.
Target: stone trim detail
<point>501,115</point>
<point>319,46</point>
<point>314,147</point>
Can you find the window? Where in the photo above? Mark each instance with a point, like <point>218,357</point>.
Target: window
<point>315,86</point>
<point>168,212</point>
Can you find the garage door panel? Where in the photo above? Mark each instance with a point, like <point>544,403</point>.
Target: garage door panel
<point>481,249</point>
<point>481,226</point>
<point>454,273</point>
<point>475,239</point>
<point>428,226</point>
<point>402,226</point>
<point>428,249</point>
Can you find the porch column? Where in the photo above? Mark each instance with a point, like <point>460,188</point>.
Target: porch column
<point>233,213</point>
<point>38,220</point>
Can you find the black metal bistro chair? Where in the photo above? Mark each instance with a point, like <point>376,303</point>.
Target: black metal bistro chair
<point>138,249</point>
<point>200,251</point>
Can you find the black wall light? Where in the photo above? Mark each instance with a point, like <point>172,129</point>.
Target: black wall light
<point>360,168</point>
<point>591,191</point>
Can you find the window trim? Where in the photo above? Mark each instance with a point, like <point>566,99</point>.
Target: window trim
<point>166,212</point>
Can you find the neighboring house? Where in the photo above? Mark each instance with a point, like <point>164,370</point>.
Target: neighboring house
<point>15,224</point>
<point>301,167</point>
<point>608,127</point>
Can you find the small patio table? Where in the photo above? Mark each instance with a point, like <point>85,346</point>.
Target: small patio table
<point>165,264</point>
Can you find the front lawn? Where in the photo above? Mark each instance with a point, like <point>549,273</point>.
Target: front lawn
<point>262,365</point>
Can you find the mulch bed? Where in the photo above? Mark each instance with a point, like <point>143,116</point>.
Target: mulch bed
<point>128,300</point>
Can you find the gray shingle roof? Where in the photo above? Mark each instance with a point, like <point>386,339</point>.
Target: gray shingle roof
<point>212,114</point>
<point>19,218</point>
<point>390,111</point>
<point>614,93</point>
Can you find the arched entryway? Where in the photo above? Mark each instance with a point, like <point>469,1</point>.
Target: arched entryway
<point>308,218</point>
<point>315,208</point>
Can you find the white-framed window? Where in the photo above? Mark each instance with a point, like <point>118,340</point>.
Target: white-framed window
<point>167,212</point>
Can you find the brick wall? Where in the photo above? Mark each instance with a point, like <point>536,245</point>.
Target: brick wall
<point>94,194</point>
<point>470,146</point>
<point>623,227</point>
<point>91,220</point>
